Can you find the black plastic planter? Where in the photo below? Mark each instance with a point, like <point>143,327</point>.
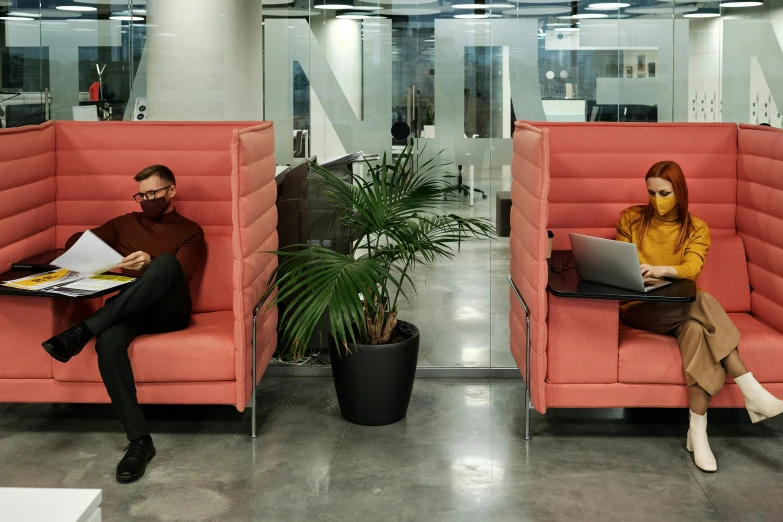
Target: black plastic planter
<point>374,382</point>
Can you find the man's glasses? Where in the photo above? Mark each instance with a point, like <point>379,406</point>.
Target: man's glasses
<point>150,194</point>
<point>559,266</point>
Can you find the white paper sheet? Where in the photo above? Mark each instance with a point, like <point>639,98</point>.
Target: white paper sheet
<point>90,255</point>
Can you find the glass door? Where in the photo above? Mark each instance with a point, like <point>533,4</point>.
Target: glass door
<point>437,91</point>
<point>88,49</point>
<point>24,66</point>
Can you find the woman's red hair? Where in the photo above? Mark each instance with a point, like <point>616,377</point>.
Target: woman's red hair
<point>671,172</point>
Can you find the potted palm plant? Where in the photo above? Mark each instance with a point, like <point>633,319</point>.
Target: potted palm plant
<point>394,214</point>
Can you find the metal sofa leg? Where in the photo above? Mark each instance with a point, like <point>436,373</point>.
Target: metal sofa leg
<point>528,402</point>
<point>253,429</point>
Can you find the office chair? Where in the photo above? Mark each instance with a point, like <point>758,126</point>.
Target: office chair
<point>466,189</point>
<point>463,189</point>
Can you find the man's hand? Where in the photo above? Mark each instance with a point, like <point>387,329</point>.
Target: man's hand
<point>655,271</point>
<point>137,261</point>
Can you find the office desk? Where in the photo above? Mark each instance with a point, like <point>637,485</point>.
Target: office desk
<point>564,109</point>
<point>50,505</point>
<point>43,259</point>
<point>564,282</point>
<point>281,171</point>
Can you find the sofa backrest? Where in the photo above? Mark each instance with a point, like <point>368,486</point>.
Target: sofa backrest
<point>27,191</point>
<point>597,170</point>
<point>255,234</point>
<point>528,242</point>
<point>95,168</point>
<point>725,274</point>
<point>760,217</point>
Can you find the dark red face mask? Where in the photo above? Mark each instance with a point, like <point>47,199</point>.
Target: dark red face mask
<point>154,208</point>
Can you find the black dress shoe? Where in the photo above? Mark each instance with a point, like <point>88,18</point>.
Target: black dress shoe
<point>69,343</point>
<point>133,465</point>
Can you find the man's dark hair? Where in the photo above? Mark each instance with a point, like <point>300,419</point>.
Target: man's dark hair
<point>163,172</point>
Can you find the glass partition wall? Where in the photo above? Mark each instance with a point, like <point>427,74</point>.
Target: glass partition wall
<point>65,60</point>
<point>335,76</point>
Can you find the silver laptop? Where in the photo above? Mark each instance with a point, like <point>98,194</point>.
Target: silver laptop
<point>611,263</point>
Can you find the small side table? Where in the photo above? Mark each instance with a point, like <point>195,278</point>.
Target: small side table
<point>564,282</point>
<point>41,259</point>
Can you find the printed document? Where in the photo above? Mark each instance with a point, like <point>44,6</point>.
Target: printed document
<point>65,282</point>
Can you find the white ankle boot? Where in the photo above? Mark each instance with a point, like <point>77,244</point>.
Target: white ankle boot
<point>698,444</point>
<point>761,404</point>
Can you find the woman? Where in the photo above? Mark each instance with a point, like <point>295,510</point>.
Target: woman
<point>673,243</point>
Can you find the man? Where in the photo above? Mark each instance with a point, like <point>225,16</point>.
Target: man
<point>167,250</point>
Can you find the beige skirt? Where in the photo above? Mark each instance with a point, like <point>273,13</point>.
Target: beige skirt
<point>703,329</point>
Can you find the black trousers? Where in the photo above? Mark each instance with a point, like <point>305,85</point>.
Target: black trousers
<point>157,302</point>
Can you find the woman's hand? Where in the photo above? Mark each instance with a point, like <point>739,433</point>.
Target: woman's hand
<point>137,261</point>
<point>658,271</point>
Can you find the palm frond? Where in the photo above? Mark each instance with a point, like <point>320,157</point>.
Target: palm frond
<point>315,279</point>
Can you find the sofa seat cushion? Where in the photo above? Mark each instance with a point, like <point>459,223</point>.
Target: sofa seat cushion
<point>648,358</point>
<point>203,352</point>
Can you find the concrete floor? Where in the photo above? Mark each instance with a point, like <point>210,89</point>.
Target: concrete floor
<point>458,456</point>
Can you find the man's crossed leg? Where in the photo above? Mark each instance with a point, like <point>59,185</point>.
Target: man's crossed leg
<point>157,302</point>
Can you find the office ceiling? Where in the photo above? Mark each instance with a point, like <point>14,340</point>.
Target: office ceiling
<point>430,9</point>
<point>410,9</point>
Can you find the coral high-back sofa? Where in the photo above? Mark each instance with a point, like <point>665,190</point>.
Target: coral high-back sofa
<point>58,179</point>
<point>578,177</point>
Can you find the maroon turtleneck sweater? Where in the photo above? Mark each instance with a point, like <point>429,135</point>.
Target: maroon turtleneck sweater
<point>171,234</point>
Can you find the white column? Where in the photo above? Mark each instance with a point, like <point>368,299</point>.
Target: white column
<point>204,59</point>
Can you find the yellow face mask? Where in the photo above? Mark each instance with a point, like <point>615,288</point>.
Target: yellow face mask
<point>663,205</point>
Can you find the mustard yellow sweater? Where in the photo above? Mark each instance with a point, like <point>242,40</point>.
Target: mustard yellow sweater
<point>658,247</point>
